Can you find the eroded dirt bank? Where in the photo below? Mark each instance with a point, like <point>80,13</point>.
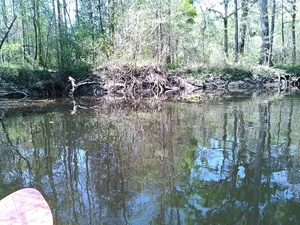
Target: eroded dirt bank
<point>152,81</point>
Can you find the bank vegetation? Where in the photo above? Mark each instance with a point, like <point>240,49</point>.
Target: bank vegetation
<point>141,48</point>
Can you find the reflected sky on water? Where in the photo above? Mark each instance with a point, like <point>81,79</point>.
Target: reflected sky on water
<point>227,161</point>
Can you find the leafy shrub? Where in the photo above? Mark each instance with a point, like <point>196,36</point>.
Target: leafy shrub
<point>8,74</point>
<point>232,73</point>
<point>79,70</point>
<point>235,73</point>
<point>293,69</point>
<point>23,75</point>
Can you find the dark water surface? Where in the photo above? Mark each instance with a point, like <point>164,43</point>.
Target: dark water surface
<point>230,161</point>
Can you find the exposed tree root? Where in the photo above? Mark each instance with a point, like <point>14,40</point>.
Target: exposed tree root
<point>146,82</point>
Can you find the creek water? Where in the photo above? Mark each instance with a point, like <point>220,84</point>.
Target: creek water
<point>228,161</point>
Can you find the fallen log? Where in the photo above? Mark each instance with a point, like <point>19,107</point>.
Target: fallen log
<point>14,94</point>
<point>80,84</point>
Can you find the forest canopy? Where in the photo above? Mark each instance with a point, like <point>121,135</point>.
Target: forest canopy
<point>61,35</point>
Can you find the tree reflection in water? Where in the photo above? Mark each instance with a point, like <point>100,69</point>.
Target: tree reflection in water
<point>230,162</point>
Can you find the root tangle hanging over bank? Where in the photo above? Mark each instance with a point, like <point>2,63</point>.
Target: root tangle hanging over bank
<point>145,82</point>
<point>148,81</point>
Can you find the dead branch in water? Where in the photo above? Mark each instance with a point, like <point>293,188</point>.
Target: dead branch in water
<point>14,94</point>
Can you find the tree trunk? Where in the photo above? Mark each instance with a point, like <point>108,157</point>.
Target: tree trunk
<point>65,15</point>
<point>236,32</point>
<point>159,32</point>
<point>225,20</point>
<point>38,34</point>
<point>77,12</point>
<point>56,32</point>
<point>22,9</point>
<point>92,27</point>
<point>170,57</point>
<point>60,37</point>
<point>264,22</point>
<point>293,28</point>
<point>282,57</point>
<point>203,35</point>
<point>272,32</point>
<point>100,15</point>
<point>112,21</point>
<point>35,29</point>
<point>294,31</point>
<point>243,28</point>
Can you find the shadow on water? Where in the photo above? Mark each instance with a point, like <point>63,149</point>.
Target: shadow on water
<point>212,162</point>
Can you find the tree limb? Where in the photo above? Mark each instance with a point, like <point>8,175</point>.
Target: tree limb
<point>6,34</point>
<point>216,11</point>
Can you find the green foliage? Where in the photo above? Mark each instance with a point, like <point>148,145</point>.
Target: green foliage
<point>28,75</point>
<point>175,34</point>
<point>232,73</point>
<point>8,73</point>
<point>235,73</point>
<point>169,65</point>
<point>292,69</point>
<point>190,11</point>
<point>17,133</point>
<point>11,50</point>
<point>79,70</point>
<point>23,74</point>
<point>36,77</point>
